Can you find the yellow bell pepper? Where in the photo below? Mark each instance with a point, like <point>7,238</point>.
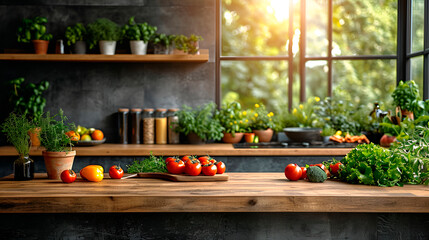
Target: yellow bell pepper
<point>92,173</point>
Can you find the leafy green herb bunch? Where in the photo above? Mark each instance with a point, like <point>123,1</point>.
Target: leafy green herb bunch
<point>33,29</point>
<point>406,95</point>
<point>102,29</point>
<point>75,33</point>
<point>233,119</point>
<point>188,44</point>
<point>16,128</point>
<point>138,31</point>
<point>150,164</point>
<point>53,134</point>
<point>260,118</point>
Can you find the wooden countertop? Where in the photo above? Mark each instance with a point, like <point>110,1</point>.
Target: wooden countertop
<point>215,149</point>
<point>244,192</point>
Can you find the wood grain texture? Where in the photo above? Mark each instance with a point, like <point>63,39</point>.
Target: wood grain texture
<point>244,192</point>
<point>215,149</point>
<point>203,57</point>
<point>185,178</point>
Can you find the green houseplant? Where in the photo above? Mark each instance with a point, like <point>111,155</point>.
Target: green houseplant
<point>199,124</point>
<point>58,155</point>
<point>187,44</point>
<point>76,36</point>
<point>406,96</point>
<point>233,121</point>
<point>261,122</point>
<point>34,30</point>
<point>104,32</point>
<point>138,34</point>
<point>161,43</point>
<point>16,128</point>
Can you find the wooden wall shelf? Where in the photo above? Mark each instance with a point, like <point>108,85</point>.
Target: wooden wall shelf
<point>215,149</point>
<point>202,57</point>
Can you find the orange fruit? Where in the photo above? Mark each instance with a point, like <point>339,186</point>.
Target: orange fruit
<point>97,135</point>
<point>74,136</point>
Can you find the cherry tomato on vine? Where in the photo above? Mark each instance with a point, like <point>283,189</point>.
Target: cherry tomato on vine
<point>116,172</point>
<point>204,160</point>
<point>176,167</point>
<point>171,159</point>
<point>68,176</point>
<point>335,168</point>
<point>220,167</point>
<point>209,169</point>
<point>293,172</point>
<point>193,167</point>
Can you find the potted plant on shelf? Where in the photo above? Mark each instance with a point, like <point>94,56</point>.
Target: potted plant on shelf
<point>139,35</point>
<point>76,36</point>
<point>161,43</point>
<point>233,121</point>
<point>58,155</point>
<point>28,99</point>
<point>16,128</point>
<point>105,33</point>
<point>184,44</point>
<point>261,122</point>
<point>34,30</point>
<point>199,124</point>
<point>406,96</point>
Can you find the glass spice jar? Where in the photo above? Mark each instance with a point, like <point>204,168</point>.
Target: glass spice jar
<point>160,126</point>
<point>172,121</point>
<point>123,125</point>
<point>148,126</point>
<point>135,125</point>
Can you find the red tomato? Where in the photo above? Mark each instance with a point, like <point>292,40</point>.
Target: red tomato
<point>220,167</point>
<point>204,160</point>
<point>335,168</point>
<point>68,176</point>
<point>116,172</point>
<point>212,160</point>
<point>176,167</point>
<point>193,167</point>
<point>324,168</point>
<point>293,172</point>
<point>387,140</point>
<point>171,159</point>
<point>304,173</point>
<point>209,169</point>
<point>186,158</point>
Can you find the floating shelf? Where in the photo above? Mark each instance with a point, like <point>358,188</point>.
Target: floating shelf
<point>200,58</point>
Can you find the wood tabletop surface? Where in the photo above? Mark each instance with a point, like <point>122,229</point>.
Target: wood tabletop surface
<point>215,149</point>
<point>244,192</point>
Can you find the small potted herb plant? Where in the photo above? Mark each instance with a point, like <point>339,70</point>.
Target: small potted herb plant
<point>105,33</point>
<point>199,124</point>
<point>16,128</point>
<point>406,96</point>
<point>261,122</point>
<point>34,30</point>
<point>234,121</point>
<point>58,155</point>
<point>186,44</point>
<point>139,35</point>
<point>161,43</point>
<point>76,36</point>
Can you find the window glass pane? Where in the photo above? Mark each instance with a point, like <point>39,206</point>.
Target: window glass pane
<point>364,81</point>
<point>417,72</point>
<point>417,25</point>
<point>251,82</point>
<point>316,77</point>
<point>255,27</point>
<point>316,26</point>
<point>364,27</point>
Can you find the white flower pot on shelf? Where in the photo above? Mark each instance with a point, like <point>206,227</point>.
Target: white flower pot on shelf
<point>138,47</point>
<point>107,47</point>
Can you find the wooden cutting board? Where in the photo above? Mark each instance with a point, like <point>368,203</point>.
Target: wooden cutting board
<point>185,178</point>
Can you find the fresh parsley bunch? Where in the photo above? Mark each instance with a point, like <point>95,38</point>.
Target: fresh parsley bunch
<point>150,164</point>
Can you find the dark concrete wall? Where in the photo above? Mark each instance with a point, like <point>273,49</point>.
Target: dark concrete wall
<point>90,93</point>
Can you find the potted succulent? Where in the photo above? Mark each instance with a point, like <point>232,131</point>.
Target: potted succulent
<point>184,44</point>
<point>199,124</point>
<point>261,122</point>
<point>161,43</point>
<point>34,30</point>
<point>58,155</point>
<point>105,33</point>
<point>28,99</point>
<point>139,35</point>
<point>76,36</point>
<point>16,128</point>
<point>234,121</point>
<point>406,96</point>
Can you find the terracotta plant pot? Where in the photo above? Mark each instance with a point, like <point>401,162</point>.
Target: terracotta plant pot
<point>264,135</point>
<point>193,138</point>
<point>249,137</point>
<point>40,46</point>
<point>228,138</point>
<point>57,162</point>
<point>34,136</point>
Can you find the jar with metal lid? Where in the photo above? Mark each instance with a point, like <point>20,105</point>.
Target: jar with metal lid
<point>148,126</point>
<point>172,121</point>
<point>135,125</point>
<point>160,126</point>
<point>123,125</point>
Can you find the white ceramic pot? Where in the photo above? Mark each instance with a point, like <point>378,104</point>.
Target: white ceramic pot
<point>138,47</point>
<point>107,47</point>
<point>79,47</point>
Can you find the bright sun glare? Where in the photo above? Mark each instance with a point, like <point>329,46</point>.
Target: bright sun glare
<point>280,9</point>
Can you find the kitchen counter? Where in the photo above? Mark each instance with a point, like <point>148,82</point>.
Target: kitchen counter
<point>244,192</point>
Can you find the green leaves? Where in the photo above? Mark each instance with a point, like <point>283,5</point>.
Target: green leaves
<point>33,29</point>
<point>28,99</point>
<point>407,96</point>
<point>151,164</point>
<point>53,135</point>
<point>102,29</point>
<point>16,128</point>
<point>138,31</point>
<point>75,33</point>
